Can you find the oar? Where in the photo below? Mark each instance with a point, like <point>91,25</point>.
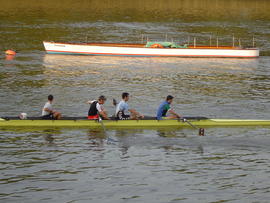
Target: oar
<point>102,124</point>
<point>114,102</point>
<point>104,129</point>
<point>201,130</point>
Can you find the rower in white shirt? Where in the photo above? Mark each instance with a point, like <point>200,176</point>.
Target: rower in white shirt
<point>48,112</point>
<point>123,112</point>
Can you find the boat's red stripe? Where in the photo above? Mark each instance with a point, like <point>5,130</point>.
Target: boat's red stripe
<point>148,54</point>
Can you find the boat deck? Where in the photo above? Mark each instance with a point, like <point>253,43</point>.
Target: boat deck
<point>143,46</point>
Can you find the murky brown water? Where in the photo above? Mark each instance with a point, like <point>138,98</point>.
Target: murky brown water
<point>79,165</point>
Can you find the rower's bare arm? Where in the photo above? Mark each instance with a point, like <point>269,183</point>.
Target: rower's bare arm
<point>89,102</point>
<point>104,115</point>
<point>172,112</point>
<point>48,110</point>
<point>133,111</point>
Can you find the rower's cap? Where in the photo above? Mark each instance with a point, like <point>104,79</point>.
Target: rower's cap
<point>169,97</point>
<point>102,97</point>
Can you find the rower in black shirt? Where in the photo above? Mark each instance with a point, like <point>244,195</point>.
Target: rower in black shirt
<point>97,110</point>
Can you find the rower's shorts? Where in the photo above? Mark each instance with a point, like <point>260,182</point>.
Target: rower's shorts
<point>121,116</point>
<point>95,117</point>
<point>48,117</point>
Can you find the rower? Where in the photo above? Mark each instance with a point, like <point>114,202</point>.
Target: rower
<point>48,112</point>
<point>123,107</point>
<point>97,110</point>
<point>165,107</point>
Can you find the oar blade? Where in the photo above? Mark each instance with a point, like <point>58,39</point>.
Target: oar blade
<point>201,132</point>
<point>114,102</point>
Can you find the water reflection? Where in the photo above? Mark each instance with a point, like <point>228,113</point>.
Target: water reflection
<point>59,62</point>
<point>124,140</point>
<point>167,133</point>
<point>50,134</point>
<point>97,137</point>
<point>10,57</point>
<point>206,76</point>
<point>48,138</point>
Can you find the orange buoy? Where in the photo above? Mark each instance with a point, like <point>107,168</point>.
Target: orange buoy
<point>10,52</point>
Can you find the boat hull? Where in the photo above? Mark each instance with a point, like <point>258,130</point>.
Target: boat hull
<point>131,123</point>
<point>138,50</point>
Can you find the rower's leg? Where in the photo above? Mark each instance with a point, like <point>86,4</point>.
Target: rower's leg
<point>134,116</point>
<point>57,115</point>
<point>171,117</point>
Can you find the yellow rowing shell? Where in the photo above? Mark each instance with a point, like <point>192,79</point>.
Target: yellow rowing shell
<point>132,123</point>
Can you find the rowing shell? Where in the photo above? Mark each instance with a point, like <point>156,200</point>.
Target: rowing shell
<point>147,123</point>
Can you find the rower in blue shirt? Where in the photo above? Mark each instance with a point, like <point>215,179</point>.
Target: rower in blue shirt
<point>165,107</point>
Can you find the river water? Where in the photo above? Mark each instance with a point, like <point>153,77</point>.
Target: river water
<point>82,165</point>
